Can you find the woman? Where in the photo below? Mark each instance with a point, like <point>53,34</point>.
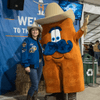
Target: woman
<point>32,59</point>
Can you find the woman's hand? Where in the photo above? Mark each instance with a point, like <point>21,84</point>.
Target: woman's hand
<point>27,69</point>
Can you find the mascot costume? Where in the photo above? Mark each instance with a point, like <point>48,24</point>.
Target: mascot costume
<point>63,69</point>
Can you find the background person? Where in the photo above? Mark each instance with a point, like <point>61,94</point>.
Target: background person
<point>96,51</point>
<point>91,52</point>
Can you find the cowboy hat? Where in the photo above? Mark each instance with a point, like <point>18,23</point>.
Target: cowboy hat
<point>54,13</point>
<point>35,25</point>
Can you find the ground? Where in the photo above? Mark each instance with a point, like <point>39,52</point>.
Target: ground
<point>90,93</point>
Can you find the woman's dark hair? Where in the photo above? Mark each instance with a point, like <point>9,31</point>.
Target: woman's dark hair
<point>97,41</point>
<point>30,33</point>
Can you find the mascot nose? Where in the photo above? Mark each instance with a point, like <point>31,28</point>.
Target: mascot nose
<point>57,55</point>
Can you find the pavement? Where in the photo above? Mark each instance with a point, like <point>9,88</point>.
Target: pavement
<point>91,92</point>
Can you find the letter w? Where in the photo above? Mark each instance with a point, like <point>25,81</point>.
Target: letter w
<point>22,20</point>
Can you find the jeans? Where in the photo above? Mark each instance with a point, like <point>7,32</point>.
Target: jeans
<point>97,56</point>
<point>35,75</point>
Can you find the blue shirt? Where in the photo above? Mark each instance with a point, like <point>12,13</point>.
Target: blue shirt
<point>30,53</point>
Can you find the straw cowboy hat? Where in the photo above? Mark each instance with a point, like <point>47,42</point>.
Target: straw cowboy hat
<point>35,25</point>
<point>54,13</point>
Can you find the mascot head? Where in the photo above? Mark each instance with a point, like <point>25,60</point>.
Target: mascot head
<point>58,31</point>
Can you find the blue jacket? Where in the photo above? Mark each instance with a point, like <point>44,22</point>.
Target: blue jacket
<point>30,53</point>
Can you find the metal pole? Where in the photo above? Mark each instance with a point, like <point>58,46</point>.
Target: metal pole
<point>93,70</point>
<point>93,84</point>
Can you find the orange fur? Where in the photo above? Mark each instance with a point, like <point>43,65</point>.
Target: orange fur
<point>68,70</point>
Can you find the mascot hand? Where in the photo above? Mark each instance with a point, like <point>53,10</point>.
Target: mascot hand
<point>84,27</point>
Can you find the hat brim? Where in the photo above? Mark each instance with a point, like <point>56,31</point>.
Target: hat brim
<point>30,27</point>
<point>56,18</point>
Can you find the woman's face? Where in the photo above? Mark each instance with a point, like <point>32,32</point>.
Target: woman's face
<point>35,32</point>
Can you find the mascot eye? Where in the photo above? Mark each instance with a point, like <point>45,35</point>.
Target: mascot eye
<point>58,36</point>
<point>53,36</point>
<point>53,39</point>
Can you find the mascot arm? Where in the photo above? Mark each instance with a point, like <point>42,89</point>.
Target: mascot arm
<point>83,29</point>
<point>79,34</point>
